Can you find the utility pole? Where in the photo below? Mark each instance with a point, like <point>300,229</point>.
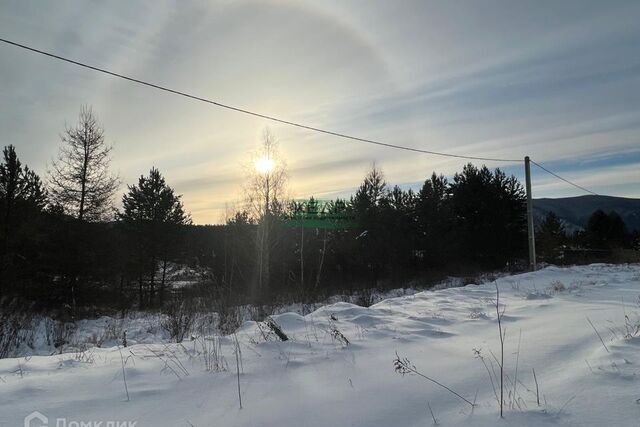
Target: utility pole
<point>530,229</point>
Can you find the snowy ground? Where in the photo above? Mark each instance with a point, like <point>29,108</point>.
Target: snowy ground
<point>315,379</point>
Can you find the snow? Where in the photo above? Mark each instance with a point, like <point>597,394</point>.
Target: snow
<point>316,379</point>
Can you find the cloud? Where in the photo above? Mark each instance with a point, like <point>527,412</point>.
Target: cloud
<point>559,82</point>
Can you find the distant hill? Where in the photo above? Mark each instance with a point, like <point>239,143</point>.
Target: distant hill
<point>575,211</point>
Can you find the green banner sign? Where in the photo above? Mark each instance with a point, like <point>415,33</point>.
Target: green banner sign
<point>322,214</point>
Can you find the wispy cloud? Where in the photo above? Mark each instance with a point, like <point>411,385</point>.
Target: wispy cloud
<point>559,82</point>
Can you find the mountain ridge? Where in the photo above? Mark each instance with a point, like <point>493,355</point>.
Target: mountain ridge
<point>575,211</point>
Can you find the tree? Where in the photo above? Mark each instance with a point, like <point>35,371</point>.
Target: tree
<point>371,192</point>
<point>18,186</point>
<point>605,231</point>
<point>265,201</point>
<point>550,235</point>
<point>80,179</point>
<point>433,214</point>
<point>399,235</point>
<point>369,202</point>
<point>153,214</point>
<point>489,216</point>
<point>238,249</point>
<point>21,196</point>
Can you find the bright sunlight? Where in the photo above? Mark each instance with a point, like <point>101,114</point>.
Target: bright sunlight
<point>264,165</point>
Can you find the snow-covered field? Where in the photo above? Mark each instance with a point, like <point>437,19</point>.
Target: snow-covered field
<point>317,379</point>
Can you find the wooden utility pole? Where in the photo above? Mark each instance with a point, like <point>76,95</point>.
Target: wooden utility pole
<point>530,229</point>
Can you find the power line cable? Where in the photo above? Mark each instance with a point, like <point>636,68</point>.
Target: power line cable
<point>282,121</point>
<point>253,113</point>
<point>563,179</point>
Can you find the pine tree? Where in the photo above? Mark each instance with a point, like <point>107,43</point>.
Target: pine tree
<point>489,216</point>
<point>399,233</point>
<point>606,231</point>
<point>19,187</point>
<point>371,192</point>
<point>433,215</point>
<point>22,197</point>
<point>152,214</point>
<point>550,235</point>
<point>368,204</point>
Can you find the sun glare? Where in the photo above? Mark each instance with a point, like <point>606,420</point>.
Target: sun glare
<point>264,165</point>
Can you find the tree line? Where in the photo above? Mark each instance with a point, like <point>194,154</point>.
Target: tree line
<point>604,237</point>
<point>65,246</point>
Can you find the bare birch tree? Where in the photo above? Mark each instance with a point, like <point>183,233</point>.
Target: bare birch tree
<point>265,198</point>
<point>80,179</point>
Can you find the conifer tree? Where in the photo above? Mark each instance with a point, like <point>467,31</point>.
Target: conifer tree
<point>152,214</point>
<point>18,186</point>
<point>488,210</point>
<point>368,203</point>
<point>605,231</point>
<point>80,180</point>
<point>550,235</point>
<point>21,195</point>
<point>433,215</point>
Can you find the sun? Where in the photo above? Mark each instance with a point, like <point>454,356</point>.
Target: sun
<point>264,165</point>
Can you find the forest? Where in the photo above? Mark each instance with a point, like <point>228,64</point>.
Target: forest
<point>71,244</point>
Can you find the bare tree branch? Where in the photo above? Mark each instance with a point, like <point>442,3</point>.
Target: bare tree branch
<point>79,177</point>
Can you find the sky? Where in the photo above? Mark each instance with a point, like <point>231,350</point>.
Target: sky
<point>558,81</point>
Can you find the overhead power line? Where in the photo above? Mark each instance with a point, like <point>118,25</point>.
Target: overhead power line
<point>563,179</point>
<point>282,121</point>
<point>253,113</point>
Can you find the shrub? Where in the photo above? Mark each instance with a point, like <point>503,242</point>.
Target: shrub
<point>179,319</point>
<point>557,286</point>
<point>365,297</point>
